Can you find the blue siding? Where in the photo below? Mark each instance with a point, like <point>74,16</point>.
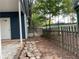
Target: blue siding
<point>15,34</point>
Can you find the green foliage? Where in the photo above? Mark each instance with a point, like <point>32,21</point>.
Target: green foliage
<point>37,20</point>
<point>50,7</point>
<point>46,7</point>
<point>67,6</point>
<point>53,6</point>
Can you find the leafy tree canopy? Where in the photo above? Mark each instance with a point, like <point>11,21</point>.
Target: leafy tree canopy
<point>40,8</point>
<point>53,7</point>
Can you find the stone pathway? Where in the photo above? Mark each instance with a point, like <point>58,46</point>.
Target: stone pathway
<point>30,51</point>
<point>40,48</point>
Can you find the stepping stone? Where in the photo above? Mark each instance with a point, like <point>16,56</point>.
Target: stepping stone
<point>32,58</point>
<point>30,54</point>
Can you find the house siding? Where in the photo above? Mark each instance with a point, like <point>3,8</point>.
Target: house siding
<point>14,23</point>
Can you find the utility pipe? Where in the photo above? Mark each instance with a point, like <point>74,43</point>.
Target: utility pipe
<point>20,22</point>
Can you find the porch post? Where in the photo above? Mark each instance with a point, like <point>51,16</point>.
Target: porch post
<point>26,29</point>
<point>76,7</point>
<point>20,22</point>
<point>0,43</point>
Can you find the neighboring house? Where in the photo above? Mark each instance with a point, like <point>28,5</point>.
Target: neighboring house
<point>9,20</point>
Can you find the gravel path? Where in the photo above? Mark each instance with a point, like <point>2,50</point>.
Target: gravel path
<point>9,50</point>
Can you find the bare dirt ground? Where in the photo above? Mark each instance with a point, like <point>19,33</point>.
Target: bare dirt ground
<point>45,50</point>
<point>9,48</point>
<point>9,41</point>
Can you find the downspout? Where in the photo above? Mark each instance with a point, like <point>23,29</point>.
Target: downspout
<point>20,22</point>
<point>26,26</point>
